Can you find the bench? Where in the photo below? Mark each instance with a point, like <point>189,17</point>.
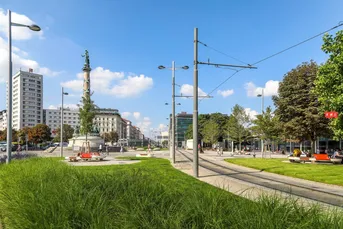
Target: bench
<point>298,159</point>
<point>325,158</point>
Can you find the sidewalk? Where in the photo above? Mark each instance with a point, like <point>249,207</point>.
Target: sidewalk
<point>246,189</point>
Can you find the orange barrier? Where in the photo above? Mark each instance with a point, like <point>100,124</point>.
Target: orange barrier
<point>321,157</point>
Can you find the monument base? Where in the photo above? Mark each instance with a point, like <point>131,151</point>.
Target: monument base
<point>94,142</point>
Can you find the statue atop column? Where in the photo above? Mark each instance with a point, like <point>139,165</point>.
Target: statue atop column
<point>87,64</point>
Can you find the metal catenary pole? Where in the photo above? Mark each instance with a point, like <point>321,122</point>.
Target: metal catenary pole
<point>195,107</point>
<point>173,112</point>
<point>61,129</point>
<point>9,88</point>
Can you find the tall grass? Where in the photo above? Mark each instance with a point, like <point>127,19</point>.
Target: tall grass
<point>45,193</point>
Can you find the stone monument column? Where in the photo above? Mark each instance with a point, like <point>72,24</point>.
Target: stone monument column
<point>86,76</point>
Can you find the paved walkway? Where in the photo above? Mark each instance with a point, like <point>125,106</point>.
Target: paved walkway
<point>238,180</point>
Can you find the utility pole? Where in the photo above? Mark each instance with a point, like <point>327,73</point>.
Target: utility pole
<point>195,100</point>
<point>173,112</point>
<point>61,129</point>
<point>195,107</point>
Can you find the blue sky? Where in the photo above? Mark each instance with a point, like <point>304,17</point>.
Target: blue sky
<point>127,40</point>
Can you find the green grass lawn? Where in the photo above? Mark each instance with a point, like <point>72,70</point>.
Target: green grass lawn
<point>46,193</point>
<point>325,173</point>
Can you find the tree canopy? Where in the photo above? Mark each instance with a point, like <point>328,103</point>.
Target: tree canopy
<point>110,137</point>
<point>297,106</point>
<point>68,132</point>
<point>329,80</point>
<point>87,114</point>
<point>238,125</point>
<point>40,133</point>
<point>211,132</point>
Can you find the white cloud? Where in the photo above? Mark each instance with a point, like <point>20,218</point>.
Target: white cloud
<point>18,33</point>
<point>20,59</point>
<point>225,93</point>
<point>187,90</point>
<point>52,107</point>
<point>162,127</point>
<point>137,115</point>
<point>104,81</point>
<point>126,114</point>
<point>144,125</point>
<point>271,88</point>
<point>252,113</point>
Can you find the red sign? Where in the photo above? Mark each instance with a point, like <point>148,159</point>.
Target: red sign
<point>331,114</point>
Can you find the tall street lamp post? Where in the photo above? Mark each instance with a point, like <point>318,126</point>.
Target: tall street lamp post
<point>262,111</point>
<point>172,152</point>
<point>61,130</point>
<point>9,98</point>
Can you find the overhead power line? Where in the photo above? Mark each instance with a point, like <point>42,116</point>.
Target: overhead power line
<point>268,57</point>
<point>293,46</point>
<point>234,58</point>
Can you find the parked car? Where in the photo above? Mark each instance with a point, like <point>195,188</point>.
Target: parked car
<point>3,147</point>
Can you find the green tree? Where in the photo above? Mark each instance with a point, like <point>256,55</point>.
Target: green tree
<point>329,81</point>
<point>40,133</point>
<point>165,143</point>
<point>113,137</point>
<point>238,126</point>
<point>3,136</point>
<point>297,106</point>
<point>22,133</point>
<point>68,132</point>
<point>211,132</point>
<point>87,114</point>
<point>189,132</point>
<point>267,126</point>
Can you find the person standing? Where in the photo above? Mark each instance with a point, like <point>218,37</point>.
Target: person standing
<point>121,149</point>
<point>100,148</point>
<point>107,150</point>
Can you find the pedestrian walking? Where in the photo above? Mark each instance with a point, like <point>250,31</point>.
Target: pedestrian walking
<point>100,148</point>
<point>121,149</point>
<point>149,149</point>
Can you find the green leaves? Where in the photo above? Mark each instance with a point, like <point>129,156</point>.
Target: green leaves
<point>68,132</point>
<point>238,125</point>
<point>329,81</point>
<point>297,105</point>
<point>87,114</point>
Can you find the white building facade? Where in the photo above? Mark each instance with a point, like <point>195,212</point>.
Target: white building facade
<point>3,120</point>
<point>108,120</point>
<point>52,118</point>
<point>27,99</point>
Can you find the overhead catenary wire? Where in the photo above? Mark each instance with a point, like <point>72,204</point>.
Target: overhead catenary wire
<point>214,49</point>
<point>268,57</point>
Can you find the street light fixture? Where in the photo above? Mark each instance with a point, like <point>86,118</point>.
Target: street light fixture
<point>172,151</point>
<point>262,111</point>
<point>61,130</point>
<point>9,99</point>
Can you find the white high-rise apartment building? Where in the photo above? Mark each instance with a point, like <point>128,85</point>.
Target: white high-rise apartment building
<point>27,99</point>
<point>3,120</point>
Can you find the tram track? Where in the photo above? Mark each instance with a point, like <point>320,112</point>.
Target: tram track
<point>328,195</point>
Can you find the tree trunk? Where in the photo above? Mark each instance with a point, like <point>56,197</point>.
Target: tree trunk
<point>313,147</point>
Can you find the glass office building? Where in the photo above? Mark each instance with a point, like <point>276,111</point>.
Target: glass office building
<point>182,121</point>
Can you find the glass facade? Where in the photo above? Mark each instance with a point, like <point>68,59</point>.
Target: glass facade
<point>183,120</point>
